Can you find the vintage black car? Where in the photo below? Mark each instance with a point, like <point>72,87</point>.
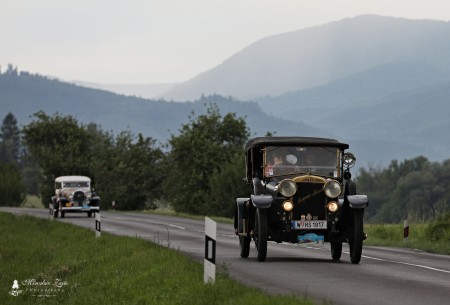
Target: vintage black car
<point>302,192</point>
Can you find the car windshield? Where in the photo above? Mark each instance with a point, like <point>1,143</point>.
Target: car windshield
<point>291,160</point>
<point>75,184</point>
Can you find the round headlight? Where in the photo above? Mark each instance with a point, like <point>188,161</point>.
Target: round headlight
<point>287,188</point>
<point>332,188</point>
<point>332,206</point>
<point>288,206</point>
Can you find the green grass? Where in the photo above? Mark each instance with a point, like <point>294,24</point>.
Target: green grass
<point>108,270</point>
<point>32,201</point>
<point>433,236</point>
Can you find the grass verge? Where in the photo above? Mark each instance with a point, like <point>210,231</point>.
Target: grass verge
<point>32,201</point>
<point>432,236</point>
<point>107,270</point>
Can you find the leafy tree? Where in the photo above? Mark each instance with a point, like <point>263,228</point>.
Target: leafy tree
<point>227,185</point>
<point>124,169</point>
<point>10,140</point>
<point>205,144</point>
<point>416,189</point>
<point>130,171</point>
<point>12,190</point>
<point>31,175</point>
<point>60,147</point>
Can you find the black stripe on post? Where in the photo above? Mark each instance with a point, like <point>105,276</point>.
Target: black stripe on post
<point>98,225</point>
<point>210,249</point>
<point>405,229</point>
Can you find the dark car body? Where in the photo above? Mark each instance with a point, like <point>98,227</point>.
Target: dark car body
<point>302,192</point>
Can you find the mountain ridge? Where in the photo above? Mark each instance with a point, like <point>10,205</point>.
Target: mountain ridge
<point>24,94</point>
<point>317,55</point>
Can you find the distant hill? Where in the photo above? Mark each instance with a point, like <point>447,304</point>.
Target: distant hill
<point>148,91</point>
<point>381,84</point>
<point>418,117</point>
<point>367,88</point>
<point>319,55</point>
<point>24,94</point>
<point>394,111</point>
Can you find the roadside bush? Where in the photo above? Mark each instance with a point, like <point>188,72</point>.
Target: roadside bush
<point>439,230</point>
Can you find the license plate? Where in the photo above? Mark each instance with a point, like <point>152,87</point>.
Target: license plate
<point>309,224</point>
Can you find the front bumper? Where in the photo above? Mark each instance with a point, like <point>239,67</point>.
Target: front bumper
<point>80,209</point>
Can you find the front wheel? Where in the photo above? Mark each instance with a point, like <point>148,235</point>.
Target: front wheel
<point>260,234</point>
<point>336,250</point>
<point>244,242</point>
<point>55,211</point>
<point>356,241</point>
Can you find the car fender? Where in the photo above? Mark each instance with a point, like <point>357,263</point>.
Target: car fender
<point>262,201</point>
<point>61,202</point>
<point>240,207</point>
<point>358,201</point>
<point>53,203</point>
<point>95,201</point>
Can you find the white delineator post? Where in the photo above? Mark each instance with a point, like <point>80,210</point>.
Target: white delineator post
<point>97,225</point>
<point>405,230</point>
<point>210,251</point>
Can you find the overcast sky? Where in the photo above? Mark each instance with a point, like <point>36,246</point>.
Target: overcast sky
<point>158,41</point>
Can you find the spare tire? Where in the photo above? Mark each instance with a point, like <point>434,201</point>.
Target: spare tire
<point>79,197</point>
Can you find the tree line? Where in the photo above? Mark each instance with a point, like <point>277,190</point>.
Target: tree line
<point>198,171</point>
<point>415,189</point>
<point>134,171</point>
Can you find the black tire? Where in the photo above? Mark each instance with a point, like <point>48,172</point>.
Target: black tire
<point>356,241</point>
<point>336,250</point>
<point>244,242</point>
<point>260,234</point>
<point>63,214</point>
<point>89,214</point>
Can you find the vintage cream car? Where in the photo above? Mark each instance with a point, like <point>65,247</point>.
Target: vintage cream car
<point>74,194</point>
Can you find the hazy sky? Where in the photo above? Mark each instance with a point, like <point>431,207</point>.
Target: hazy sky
<point>157,41</point>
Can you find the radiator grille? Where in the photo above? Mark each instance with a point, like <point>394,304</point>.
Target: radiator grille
<point>309,199</point>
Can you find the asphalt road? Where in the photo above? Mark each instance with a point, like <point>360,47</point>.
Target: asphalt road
<point>384,276</point>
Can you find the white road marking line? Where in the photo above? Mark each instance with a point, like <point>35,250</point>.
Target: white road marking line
<point>151,222</point>
<point>403,263</point>
<point>379,259</point>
